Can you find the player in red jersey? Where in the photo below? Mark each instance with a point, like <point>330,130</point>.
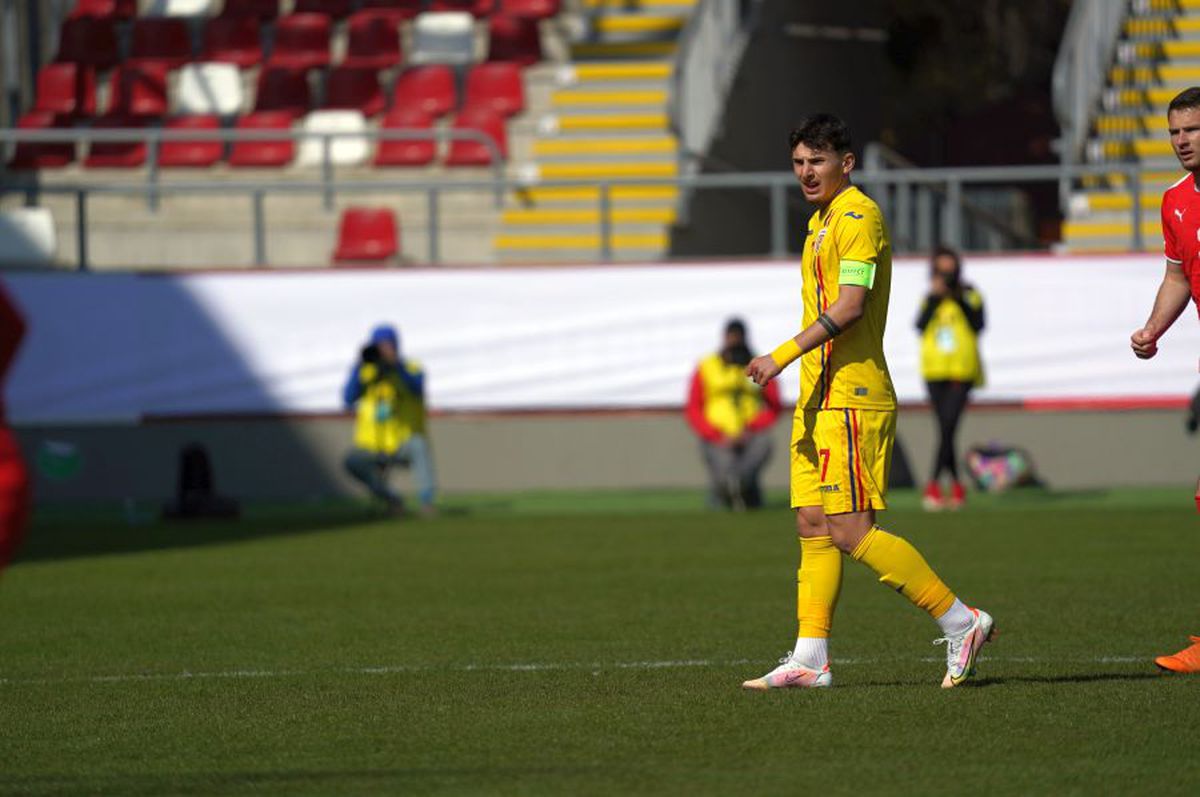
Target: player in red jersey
<point>1181,282</point>
<point>14,482</point>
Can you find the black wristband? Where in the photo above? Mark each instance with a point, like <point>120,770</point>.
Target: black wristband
<point>832,328</point>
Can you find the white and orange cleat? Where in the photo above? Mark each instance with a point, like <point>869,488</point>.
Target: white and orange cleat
<point>961,649</point>
<point>791,674</point>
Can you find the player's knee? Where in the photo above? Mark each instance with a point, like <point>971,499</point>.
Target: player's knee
<point>810,522</point>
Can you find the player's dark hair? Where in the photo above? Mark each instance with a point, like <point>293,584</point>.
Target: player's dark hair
<point>821,131</point>
<point>736,325</point>
<point>1188,98</point>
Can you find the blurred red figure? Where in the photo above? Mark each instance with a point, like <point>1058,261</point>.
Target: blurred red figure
<point>14,481</point>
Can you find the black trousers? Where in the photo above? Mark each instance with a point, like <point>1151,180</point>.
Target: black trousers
<point>949,400</point>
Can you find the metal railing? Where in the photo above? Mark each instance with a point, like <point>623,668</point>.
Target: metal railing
<point>706,62</point>
<point>1081,68</point>
<point>887,185</point>
<point>153,138</point>
<point>922,216</point>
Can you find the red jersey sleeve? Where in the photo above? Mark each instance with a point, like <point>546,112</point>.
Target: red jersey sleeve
<point>1170,243</point>
<point>695,411</point>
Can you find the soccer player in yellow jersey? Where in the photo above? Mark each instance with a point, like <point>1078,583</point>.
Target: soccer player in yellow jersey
<point>845,421</point>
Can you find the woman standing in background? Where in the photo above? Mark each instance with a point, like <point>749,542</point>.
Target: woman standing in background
<point>950,321</point>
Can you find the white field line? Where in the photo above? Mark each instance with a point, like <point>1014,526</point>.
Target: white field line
<point>595,667</point>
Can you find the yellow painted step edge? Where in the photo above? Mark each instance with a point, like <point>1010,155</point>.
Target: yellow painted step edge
<point>619,216</point>
<point>609,98</point>
<point>618,193</point>
<point>616,121</point>
<point>647,241</point>
<point>604,146</point>
<point>599,171</point>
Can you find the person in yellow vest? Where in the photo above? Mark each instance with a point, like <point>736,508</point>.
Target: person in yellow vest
<point>387,394</point>
<point>732,417</point>
<point>950,321</point>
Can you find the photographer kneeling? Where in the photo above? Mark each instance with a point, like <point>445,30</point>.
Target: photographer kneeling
<point>388,395</point>
<point>732,416</point>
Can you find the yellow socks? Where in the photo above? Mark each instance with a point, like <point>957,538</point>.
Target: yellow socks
<point>902,568</point>
<point>818,582</point>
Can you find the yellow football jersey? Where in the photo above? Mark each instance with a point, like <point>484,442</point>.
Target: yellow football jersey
<point>847,243</point>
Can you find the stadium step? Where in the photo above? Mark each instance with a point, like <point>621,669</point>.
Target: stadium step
<point>589,196</point>
<point>580,147</point>
<point>598,120</point>
<point>574,99</point>
<point>609,73</point>
<point>590,218</point>
<point>649,5</point>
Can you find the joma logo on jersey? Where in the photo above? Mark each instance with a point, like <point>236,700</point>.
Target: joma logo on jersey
<point>854,215</point>
<point>817,241</point>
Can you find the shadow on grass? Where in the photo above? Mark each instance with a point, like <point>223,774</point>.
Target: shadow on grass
<point>55,535</point>
<point>1077,678</point>
<point>291,780</point>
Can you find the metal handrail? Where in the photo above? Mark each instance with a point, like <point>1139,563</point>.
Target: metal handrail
<point>951,180</point>
<point>1081,68</point>
<point>154,137</point>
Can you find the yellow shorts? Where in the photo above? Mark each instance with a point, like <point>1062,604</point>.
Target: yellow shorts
<point>841,459</point>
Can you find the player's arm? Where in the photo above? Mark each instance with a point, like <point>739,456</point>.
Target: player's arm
<point>1172,298</point>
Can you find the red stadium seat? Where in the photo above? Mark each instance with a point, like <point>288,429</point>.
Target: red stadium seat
<point>66,89</point>
<point>401,9</point>
<point>354,88</point>
<point>530,9</point>
<point>262,10</point>
<point>105,9</point>
<point>233,40</point>
<point>478,8</point>
<point>283,90</point>
<point>406,152</point>
<point>38,155</point>
<point>373,40</point>
<point>429,89</point>
<point>90,41</point>
<point>117,154</point>
<point>263,154</point>
<point>338,9</point>
<point>301,41</point>
<point>139,88</point>
<point>496,85</point>
<point>471,153</point>
<point>367,234</point>
<point>191,154</point>
<point>163,39</point>
<point>514,39</point>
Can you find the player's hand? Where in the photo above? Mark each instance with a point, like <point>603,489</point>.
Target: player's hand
<point>762,369</point>
<point>1144,344</point>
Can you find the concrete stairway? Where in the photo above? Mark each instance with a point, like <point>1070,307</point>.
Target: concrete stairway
<point>604,117</point>
<point>1159,55</point>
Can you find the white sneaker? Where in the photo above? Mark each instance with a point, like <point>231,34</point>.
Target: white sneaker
<point>961,649</point>
<point>791,674</point>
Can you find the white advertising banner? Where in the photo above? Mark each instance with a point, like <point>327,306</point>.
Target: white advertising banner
<point>124,347</point>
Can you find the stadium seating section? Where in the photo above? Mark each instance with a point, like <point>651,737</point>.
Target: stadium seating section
<point>179,65</point>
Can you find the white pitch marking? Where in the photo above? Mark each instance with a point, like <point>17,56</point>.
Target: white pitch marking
<point>395,669</point>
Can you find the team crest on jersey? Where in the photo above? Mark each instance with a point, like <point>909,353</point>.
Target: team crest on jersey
<point>817,241</point>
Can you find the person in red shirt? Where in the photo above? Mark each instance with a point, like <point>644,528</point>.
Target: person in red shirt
<point>1181,282</point>
<point>732,416</point>
<point>14,481</point>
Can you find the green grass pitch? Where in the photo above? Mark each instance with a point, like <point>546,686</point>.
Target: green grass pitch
<point>591,644</point>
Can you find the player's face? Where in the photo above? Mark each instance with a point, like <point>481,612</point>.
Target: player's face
<point>1184,127</point>
<point>821,172</point>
